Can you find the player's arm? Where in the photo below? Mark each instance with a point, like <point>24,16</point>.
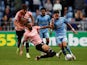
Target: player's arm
<point>16,23</point>
<point>43,27</point>
<point>69,25</point>
<point>32,19</point>
<point>52,23</point>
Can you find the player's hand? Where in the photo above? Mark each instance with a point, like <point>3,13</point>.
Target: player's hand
<point>52,23</point>
<point>50,26</point>
<point>74,30</point>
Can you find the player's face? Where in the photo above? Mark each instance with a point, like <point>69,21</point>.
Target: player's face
<point>56,15</point>
<point>29,26</point>
<point>43,12</point>
<point>24,11</point>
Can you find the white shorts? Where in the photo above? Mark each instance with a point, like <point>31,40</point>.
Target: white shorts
<point>61,39</point>
<point>44,35</point>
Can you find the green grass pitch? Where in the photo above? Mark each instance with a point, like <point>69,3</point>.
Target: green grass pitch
<point>8,56</point>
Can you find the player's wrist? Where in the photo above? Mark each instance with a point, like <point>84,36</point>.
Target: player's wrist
<point>73,29</point>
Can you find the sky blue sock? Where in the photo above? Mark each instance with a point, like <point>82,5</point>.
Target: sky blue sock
<point>68,49</point>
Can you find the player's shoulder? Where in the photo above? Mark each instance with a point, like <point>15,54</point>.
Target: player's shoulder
<point>19,12</point>
<point>29,12</point>
<point>62,18</point>
<point>47,15</point>
<point>38,16</point>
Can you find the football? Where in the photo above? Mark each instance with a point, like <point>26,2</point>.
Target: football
<point>68,57</point>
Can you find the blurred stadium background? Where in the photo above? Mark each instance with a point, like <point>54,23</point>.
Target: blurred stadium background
<point>74,10</point>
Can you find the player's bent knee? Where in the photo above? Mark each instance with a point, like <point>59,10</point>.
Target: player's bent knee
<point>64,44</point>
<point>45,47</point>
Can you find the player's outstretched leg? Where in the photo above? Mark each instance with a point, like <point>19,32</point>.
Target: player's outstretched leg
<point>19,37</point>
<point>68,49</point>
<point>27,51</point>
<point>18,46</point>
<point>48,54</point>
<point>59,54</point>
<point>45,48</point>
<point>70,52</point>
<point>74,57</point>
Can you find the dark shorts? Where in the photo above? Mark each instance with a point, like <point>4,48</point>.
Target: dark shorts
<point>39,47</point>
<point>20,34</point>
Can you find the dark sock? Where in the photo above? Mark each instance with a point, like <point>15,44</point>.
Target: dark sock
<point>49,53</point>
<point>44,56</point>
<point>68,49</point>
<point>47,42</point>
<point>63,50</point>
<point>27,47</point>
<point>19,42</point>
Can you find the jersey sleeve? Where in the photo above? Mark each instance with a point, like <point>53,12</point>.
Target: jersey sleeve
<point>30,13</point>
<point>27,16</point>
<point>66,20</point>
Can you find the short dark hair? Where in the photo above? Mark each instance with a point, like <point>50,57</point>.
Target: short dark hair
<point>56,11</point>
<point>43,8</point>
<point>24,6</point>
